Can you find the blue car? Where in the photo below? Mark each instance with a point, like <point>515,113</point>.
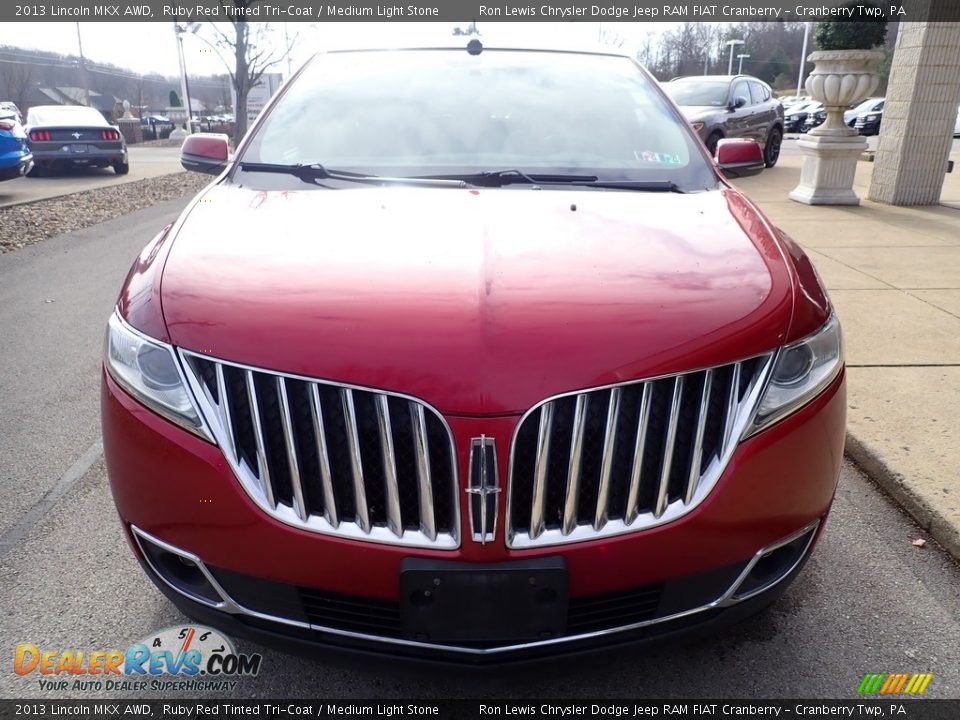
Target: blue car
<point>15,156</point>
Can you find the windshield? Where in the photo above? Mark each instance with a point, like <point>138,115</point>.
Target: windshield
<point>446,112</point>
<point>698,92</point>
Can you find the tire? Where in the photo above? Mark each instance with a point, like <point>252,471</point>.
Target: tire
<point>771,153</point>
<point>712,141</point>
<point>121,168</point>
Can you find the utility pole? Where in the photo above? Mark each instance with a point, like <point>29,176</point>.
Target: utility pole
<point>83,67</point>
<point>179,30</point>
<point>803,56</point>
<point>740,68</point>
<point>732,44</point>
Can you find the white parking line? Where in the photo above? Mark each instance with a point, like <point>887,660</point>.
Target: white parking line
<point>76,471</point>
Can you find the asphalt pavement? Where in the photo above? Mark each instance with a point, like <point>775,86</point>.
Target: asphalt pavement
<point>146,161</point>
<point>868,601</point>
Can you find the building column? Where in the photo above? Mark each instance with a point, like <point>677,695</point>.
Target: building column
<point>919,115</point>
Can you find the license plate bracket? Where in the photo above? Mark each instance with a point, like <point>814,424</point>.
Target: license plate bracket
<point>520,600</point>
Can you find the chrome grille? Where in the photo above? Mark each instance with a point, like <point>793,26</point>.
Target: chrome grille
<point>631,456</point>
<point>333,458</point>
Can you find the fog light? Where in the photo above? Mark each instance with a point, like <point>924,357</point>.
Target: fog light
<point>774,563</point>
<point>180,570</point>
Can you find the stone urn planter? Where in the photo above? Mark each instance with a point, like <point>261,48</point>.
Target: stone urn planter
<point>841,78</point>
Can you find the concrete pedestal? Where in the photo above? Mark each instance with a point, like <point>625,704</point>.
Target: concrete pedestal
<point>131,130</point>
<point>829,166</point>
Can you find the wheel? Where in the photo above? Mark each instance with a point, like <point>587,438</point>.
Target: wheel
<point>771,153</point>
<point>121,168</point>
<point>712,141</point>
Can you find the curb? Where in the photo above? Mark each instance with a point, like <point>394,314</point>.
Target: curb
<point>871,462</point>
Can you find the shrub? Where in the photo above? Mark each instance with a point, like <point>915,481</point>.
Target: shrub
<point>863,33</point>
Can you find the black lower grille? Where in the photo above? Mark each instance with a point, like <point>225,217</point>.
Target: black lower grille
<point>381,618</point>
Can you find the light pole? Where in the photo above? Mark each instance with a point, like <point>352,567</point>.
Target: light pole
<point>732,44</point>
<point>740,68</point>
<point>179,30</point>
<point>803,56</point>
<point>83,68</point>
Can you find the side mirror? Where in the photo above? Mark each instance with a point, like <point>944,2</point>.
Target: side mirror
<point>738,102</point>
<point>739,158</point>
<point>205,152</point>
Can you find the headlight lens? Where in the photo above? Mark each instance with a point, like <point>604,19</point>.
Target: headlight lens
<point>148,370</point>
<point>800,372</point>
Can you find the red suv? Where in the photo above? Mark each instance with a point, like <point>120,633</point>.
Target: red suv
<point>472,354</point>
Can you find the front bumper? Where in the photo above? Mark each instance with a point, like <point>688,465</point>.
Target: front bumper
<point>177,489</point>
<point>871,127</point>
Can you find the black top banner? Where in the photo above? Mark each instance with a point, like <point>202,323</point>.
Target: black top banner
<point>477,10</point>
<point>557,709</point>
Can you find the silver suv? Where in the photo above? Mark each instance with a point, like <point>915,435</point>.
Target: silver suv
<point>730,106</point>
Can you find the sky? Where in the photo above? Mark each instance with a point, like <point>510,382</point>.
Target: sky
<point>146,47</point>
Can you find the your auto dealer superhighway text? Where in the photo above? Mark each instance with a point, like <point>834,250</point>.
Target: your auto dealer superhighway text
<point>681,710</point>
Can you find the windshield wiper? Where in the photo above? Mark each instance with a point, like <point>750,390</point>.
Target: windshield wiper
<point>639,185</point>
<point>500,178</point>
<point>314,172</point>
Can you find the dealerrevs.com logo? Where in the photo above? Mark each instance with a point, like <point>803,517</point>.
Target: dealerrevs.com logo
<point>188,658</point>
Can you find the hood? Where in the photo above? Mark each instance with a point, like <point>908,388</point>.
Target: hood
<point>480,302</point>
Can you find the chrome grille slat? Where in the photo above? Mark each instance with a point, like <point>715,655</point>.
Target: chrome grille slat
<point>389,466</point>
<point>574,466</point>
<point>323,457</point>
<point>263,471</point>
<point>356,466</point>
<point>424,480</point>
<point>310,453</point>
<point>697,456</point>
<point>667,463</point>
<point>606,468</point>
<point>651,456</point>
<point>296,481</point>
<point>540,470</point>
<point>640,446</point>
<point>224,403</point>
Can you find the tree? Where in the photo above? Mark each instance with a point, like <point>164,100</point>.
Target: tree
<point>19,78</point>
<point>252,55</point>
<point>175,99</point>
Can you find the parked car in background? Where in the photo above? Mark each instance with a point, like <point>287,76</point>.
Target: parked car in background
<point>63,136</point>
<point>791,101</point>
<point>815,117</point>
<point>156,127</point>
<point>867,106</point>
<point>15,156</point>
<point>7,107</point>
<point>738,106</point>
<point>956,127</point>
<point>795,117</point>
<point>869,123</point>
<point>480,448</point>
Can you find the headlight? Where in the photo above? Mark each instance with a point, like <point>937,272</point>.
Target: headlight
<point>697,126</point>
<point>872,117</point>
<point>149,371</point>
<point>799,373</point>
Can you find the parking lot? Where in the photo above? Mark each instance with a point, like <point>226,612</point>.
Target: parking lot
<point>146,161</point>
<point>868,601</point>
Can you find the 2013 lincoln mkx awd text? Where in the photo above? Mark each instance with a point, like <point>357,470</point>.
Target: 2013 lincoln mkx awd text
<point>472,354</point>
